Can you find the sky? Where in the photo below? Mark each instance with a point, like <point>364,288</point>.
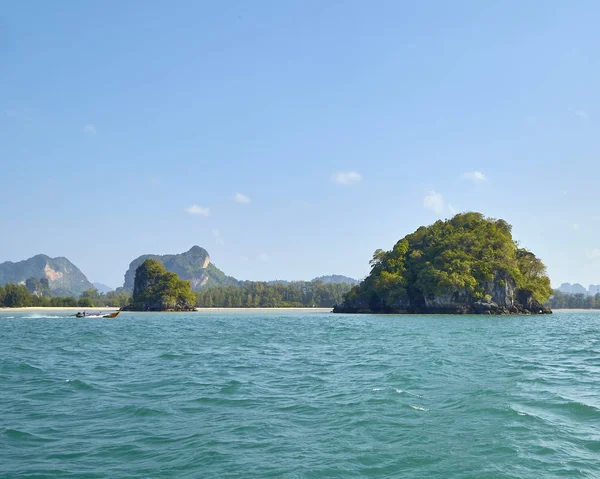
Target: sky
<point>292,139</point>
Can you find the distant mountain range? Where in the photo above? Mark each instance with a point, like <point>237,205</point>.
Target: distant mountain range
<point>64,278</point>
<point>102,288</point>
<point>336,278</point>
<point>577,288</point>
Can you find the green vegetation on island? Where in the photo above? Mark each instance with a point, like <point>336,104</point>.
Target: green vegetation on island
<point>295,294</point>
<point>468,264</point>
<point>560,300</point>
<point>336,278</point>
<point>156,289</point>
<point>34,293</point>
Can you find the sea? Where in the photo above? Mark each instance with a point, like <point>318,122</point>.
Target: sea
<point>299,394</point>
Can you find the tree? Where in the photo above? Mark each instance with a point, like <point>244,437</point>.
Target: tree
<point>16,296</point>
<point>85,303</point>
<point>90,298</point>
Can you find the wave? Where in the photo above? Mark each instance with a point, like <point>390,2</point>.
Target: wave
<point>579,409</point>
<point>22,435</point>
<point>28,367</point>
<point>418,408</point>
<point>170,356</point>
<point>402,391</point>
<point>81,385</point>
<point>142,411</point>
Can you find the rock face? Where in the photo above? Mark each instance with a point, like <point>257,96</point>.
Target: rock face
<point>64,278</point>
<point>502,297</point>
<point>193,265</point>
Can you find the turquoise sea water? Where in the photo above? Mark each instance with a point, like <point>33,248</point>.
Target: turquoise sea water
<point>299,395</point>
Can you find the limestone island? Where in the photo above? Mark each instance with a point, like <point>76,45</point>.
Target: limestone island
<point>466,265</point>
<point>156,289</point>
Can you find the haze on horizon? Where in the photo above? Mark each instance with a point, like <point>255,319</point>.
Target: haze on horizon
<point>293,139</point>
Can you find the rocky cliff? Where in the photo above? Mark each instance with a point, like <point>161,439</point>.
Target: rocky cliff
<point>193,265</point>
<point>156,289</point>
<point>469,264</point>
<point>64,278</point>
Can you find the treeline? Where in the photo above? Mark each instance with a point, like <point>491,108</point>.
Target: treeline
<point>38,295</point>
<point>248,295</point>
<point>560,300</point>
<point>274,295</point>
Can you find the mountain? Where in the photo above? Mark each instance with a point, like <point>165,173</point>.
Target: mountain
<point>594,289</point>
<point>336,278</point>
<point>577,288</point>
<point>468,264</point>
<point>102,288</point>
<point>193,265</point>
<point>64,278</point>
<point>569,288</point>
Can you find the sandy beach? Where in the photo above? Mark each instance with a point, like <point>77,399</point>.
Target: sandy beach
<point>37,309</point>
<point>91,310</point>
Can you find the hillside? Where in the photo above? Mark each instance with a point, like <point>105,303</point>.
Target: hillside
<point>102,288</point>
<point>468,264</point>
<point>336,279</point>
<point>64,278</point>
<point>193,265</point>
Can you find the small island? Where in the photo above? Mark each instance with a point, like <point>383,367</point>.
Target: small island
<point>156,289</point>
<point>466,265</point>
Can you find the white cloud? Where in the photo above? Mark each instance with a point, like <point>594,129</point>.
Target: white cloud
<point>434,202</point>
<point>476,176</point>
<point>264,257</point>
<point>218,238</point>
<point>594,253</point>
<point>89,129</point>
<point>198,210</point>
<point>240,198</point>
<point>452,209</point>
<point>346,177</point>
<point>580,113</point>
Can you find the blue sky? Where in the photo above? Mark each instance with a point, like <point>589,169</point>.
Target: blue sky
<point>292,139</point>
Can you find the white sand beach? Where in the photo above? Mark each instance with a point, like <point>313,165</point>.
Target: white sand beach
<point>75,309</point>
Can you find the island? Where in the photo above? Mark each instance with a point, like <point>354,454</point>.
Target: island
<point>468,264</point>
<point>156,289</point>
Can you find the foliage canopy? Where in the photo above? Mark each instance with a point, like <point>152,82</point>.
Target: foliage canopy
<point>467,257</point>
<point>157,289</point>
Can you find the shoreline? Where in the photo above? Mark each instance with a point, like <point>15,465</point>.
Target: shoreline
<point>575,310</point>
<point>58,308</point>
<point>105,308</point>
